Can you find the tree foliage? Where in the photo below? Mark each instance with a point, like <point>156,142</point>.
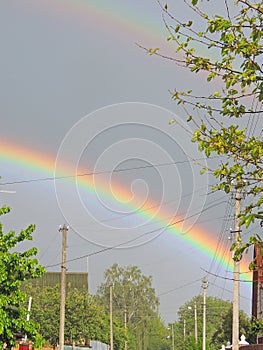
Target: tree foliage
<point>225,330</point>
<point>222,45</point>
<point>88,317</point>
<point>15,267</point>
<point>218,323</point>
<point>84,318</point>
<point>133,296</point>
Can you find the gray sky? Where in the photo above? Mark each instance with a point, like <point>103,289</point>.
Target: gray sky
<point>74,86</point>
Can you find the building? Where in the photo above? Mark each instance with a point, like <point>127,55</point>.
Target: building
<point>78,280</point>
<point>257,297</point>
<point>257,291</point>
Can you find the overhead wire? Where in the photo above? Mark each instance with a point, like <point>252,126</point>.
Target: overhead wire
<point>143,210</point>
<point>179,287</point>
<point>92,173</point>
<point>221,241</point>
<point>163,228</point>
<point>199,209</point>
<point>229,291</point>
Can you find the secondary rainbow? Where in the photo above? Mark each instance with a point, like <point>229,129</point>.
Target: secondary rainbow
<point>44,165</point>
<point>120,19</point>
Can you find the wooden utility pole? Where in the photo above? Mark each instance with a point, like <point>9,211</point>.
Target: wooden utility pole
<point>64,230</point>
<point>111,318</point>
<point>257,296</point>
<point>236,296</point>
<point>204,312</point>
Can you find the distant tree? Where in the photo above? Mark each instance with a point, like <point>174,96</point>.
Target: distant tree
<point>218,323</point>
<point>84,318</point>
<point>224,333</point>
<point>45,306</point>
<point>133,298</point>
<point>15,267</point>
<point>256,328</point>
<point>158,335</point>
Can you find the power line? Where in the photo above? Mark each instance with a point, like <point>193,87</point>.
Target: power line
<point>143,210</point>
<point>227,278</point>
<point>228,290</point>
<point>221,239</point>
<point>92,173</point>
<point>136,212</point>
<point>180,287</point>
<point>136,238</point>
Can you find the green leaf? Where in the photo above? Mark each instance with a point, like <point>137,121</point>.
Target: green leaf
<point>227,188</point>
<point>177,28</point>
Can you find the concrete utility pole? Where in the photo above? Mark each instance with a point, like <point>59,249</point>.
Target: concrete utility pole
<point>125,327</point>
<point>28,313</point>
<point>236,296</point>
<point>204,312</point>
<point>172,336</point>
<point>195,310</point>
<point>195,319</point>
<point>64,230</point>
<point>111,318</point>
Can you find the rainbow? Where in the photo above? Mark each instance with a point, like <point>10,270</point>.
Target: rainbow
<point>123,23</point>
<point>120,19</point>
<point>44,164</point>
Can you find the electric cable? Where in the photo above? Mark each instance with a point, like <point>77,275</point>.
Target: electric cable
<point>133,239</point>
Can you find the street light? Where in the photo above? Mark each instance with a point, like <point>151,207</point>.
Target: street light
<point>7,191</point>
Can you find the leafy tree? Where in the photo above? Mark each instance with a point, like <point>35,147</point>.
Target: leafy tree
<point>218,323</point>
<point>84,318</point>
<point>45,306</point>
<point>224,333</point>
<point>158,335</point>
<point>225,44</point>
<point>256,327</point>
<point>133,298</point>
<point>15,267</point>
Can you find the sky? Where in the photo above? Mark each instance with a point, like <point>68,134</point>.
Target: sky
<point>79,96</point>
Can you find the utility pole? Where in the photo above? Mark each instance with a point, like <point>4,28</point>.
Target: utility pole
<point>64,230</point>
<point>236,296</point>
<point>125,327</point>
<point>184,331</point>
<point>195,318</point>
<point>195,310</point>
<point>28,313</point>
<point>204,312</point>
<point>172,336</point>
<point>111,318</point>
